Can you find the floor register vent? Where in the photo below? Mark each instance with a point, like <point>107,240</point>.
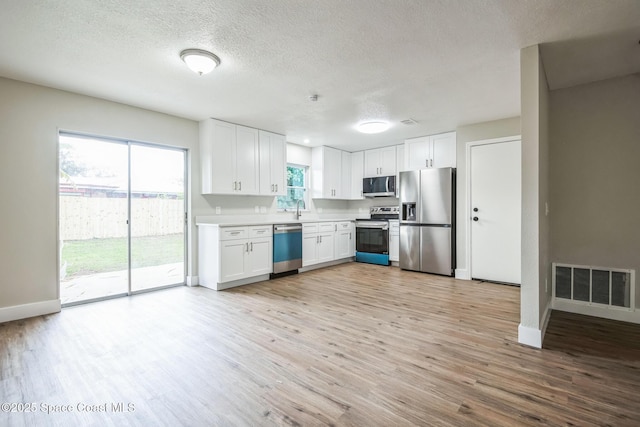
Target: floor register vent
<point>596,287</point>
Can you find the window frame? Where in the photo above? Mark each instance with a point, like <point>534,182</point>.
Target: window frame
<point>305,169</point>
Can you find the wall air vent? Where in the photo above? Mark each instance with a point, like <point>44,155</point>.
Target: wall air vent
<point>596,291</point>
<point>408,122</point>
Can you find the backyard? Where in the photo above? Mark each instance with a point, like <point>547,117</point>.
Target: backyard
<point>84,257</point>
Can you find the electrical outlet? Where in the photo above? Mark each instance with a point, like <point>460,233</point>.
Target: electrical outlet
<point>256,209</point>
<point>263,209</point>
<point>218,210</point>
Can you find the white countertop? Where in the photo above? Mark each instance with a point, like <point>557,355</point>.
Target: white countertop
<point>242,220</point>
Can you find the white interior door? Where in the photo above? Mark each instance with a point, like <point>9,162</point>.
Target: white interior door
<point>495,211</point>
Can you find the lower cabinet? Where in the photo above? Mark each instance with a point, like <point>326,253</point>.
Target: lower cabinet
<point>394,240</point>
<point>345,242</point>
<point>234,254</point>
<point>327,241</point>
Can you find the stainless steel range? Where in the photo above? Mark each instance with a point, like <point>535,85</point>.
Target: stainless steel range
<point>372,235</point>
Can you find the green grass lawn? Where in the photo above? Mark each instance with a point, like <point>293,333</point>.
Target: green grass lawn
<point>103,255</point>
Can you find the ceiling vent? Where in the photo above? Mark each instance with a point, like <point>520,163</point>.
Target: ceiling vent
<point>408,122</point>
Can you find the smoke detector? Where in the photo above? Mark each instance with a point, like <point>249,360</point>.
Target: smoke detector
<point>313,98</point>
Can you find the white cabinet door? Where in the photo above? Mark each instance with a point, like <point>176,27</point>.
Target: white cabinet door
<point>357,174</point>
<point>326,246</point>
<point>387,161</point>
<point>443,150</point>
<point>279,164</point>
<point>217,148</point>
<point>273,164</point>
<point>326,170</point>
<point>246,160</point>
<point>232,260</point>
<point>342,244</point>
<point>394,240</point>
<point>309,249</point>
<point>345,176</point>
<point>417,153</point>
<point>371,163</point>
<point>380,162</point>
<point>260,259</point>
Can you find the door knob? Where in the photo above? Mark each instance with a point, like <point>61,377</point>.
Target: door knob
<point>475,209</point>
<point>475,218</point>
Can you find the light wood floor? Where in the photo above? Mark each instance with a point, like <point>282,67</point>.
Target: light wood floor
<point>351,345</point>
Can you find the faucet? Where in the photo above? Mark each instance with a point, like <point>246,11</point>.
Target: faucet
<point>298,214</point>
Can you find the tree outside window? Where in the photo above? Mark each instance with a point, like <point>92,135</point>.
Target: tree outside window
<point>296,188</point>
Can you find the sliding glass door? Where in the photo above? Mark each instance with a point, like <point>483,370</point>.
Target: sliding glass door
<point>157,217</point>
<point>121,217</point>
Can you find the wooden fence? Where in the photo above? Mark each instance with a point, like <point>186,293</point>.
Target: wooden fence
<point>83,218</point>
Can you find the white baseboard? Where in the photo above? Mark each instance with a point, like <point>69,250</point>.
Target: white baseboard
<point>192,280</point>
<point>463,274</point>
<point>16,312</point>
<point>529,336</point>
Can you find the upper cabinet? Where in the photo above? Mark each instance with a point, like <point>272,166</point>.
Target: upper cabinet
<point>237,159</point>
<point>380,162</point>
<point>434,151</point>
<point>273,164</point>
<point>357,174</point>
<point>326,173</point>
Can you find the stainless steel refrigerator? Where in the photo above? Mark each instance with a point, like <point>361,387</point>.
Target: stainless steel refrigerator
<point>427,220</point>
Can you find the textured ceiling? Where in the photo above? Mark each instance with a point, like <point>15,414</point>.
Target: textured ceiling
<point>443,63</point>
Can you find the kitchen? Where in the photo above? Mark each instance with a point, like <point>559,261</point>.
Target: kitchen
<point>226,245</point>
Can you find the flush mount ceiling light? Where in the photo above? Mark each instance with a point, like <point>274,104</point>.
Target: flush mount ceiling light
<point>373,127</point>
<point>199,61</point>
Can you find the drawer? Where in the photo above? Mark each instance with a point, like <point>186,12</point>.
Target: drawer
<point>310,228</point>
<point>231,233</point>
<point>261,231</point>
<point>326,227</point>
<point>344,225</point>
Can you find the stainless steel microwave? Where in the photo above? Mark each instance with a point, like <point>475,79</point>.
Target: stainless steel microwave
<point>379,186</point>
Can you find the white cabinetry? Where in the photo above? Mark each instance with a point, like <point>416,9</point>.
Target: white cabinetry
<point>326,171</point>
<point>273,164</point>
<point>434,151</point>
<point>327,241</point>
<point>232,256</point>
<point>344,240</point>
<point>357,174</point>
<point>345,176</point>
<point>380,162</point>
<point>229,158</point>
<point>394,240</point>
<point>317,243</point>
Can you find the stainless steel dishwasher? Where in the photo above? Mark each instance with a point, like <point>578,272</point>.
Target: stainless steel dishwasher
<point>287,249</point>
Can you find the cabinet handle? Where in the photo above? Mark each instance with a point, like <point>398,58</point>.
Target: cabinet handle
<point>431,162</point>
<point>235,185</point>
<point>247,247</point>
<point>251,246</point>
<point>426,163</point>
<point>239,185</point>
<point>380,171</point>
<point>336,227</point>
<point>276,188</point>
<point>272,186</point>
<point>234,233</point>
<point>349,235</point>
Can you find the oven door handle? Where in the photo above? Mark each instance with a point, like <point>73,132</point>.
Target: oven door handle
<point>381,227</point>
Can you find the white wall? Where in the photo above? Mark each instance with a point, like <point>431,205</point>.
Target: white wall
<point>30,119</point>
<point>595,201</point>
<point>535,225</point>
<point>464,135</point>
